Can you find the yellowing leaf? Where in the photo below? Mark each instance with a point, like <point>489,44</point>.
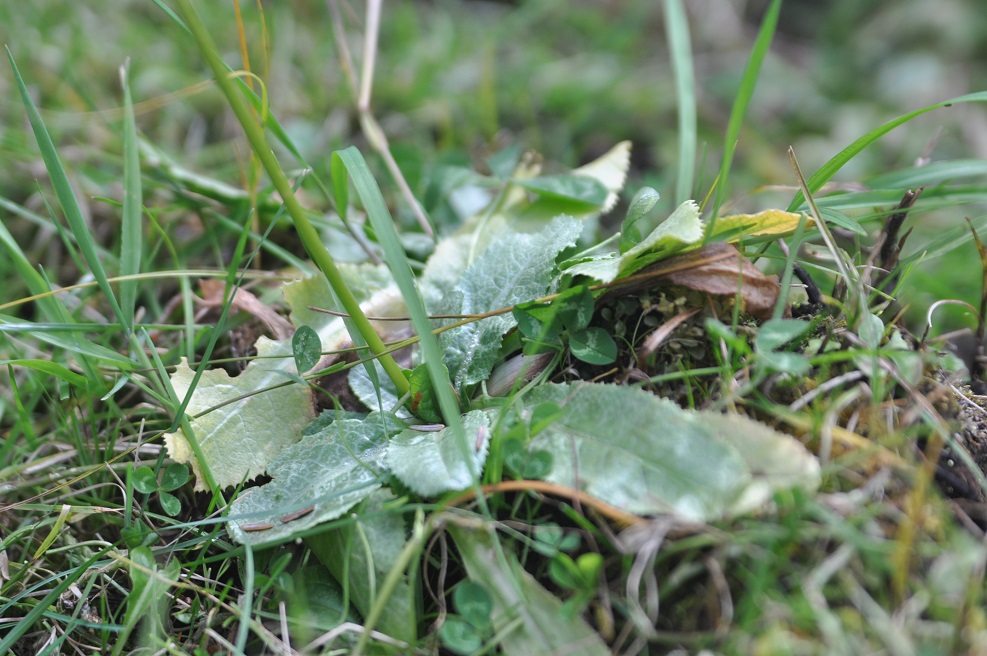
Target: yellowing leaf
<point>769,222</point>
<point>610,169</point>
<point>240,438</point>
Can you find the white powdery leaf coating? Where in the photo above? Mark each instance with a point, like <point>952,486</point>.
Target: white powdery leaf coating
<point>647,456</point>
<point>240,438</point>
<point>329,470</point>
<point>431,463</point>
<point>516,268</point>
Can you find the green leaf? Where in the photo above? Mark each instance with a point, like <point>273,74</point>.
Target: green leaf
<point>360,554</point>
<point>307,348</point>
<point>538,321</point>
<point>641,218</point>
<point>871,330</point>
<point>646,455</point>
<point>147,597</point>
<point>515,269</point>
<point>526,616</point>
<point>576,306</point>
<point>241,423</point>
<point>778,332</point>
<point>829,169</point>
<point>742,100</point>
<point>542,416</point>
<point>680,49</point>
<point>526,464</point>
<point>330,470</point>
<point>316,600</point>
<point>459,636</point>
<point>131,230</point>
<point>51,368</point>
<point>371,284</point>
<point>66,197</point>
<point>794,364</point>
<point>503,162</point>
<point>593,346</point>
<point>174,476</point>
<point>585,193</point>
<point>550,539</point>
<point>572,309</point>
<point>424,402</point>
<point>679,232</point>
<point>433,462</point>
<point>376,393</point>
<point>474,603</point>
<point>145,481</point>
<point>933,173</point>
<point>169,503</point>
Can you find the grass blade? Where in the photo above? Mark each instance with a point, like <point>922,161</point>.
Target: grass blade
<point>366,187</point>
<point>829,169</point>
<point>131,242</point>
<point>680,48</point>
<point>66,195</point>
<point>307,233</point>
<point>742,102</point>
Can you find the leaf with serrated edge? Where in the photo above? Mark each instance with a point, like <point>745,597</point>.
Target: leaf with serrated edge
<point>529,619</point>
<point>240,438</point>
<point>647,456</point>
<point>679,232</point>
<point>431,463</point>
<point>611,170</point>
<point>331,469</point>
<point>516,268</point>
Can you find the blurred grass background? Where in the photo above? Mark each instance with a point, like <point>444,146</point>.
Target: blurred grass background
<point>459,80</point>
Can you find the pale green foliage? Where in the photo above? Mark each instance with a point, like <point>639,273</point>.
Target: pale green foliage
<point>646,455</point>
<point>531,618</point>
<point>247,430</point>
<point>680,230</point>
<point>334,468</point>
<point>433,462</point>
<point>514,269</point>
<point>361,553</point>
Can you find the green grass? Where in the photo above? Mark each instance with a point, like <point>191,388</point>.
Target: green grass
<point>125,184</point>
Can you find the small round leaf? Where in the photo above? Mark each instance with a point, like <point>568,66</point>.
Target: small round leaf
<point>593,346</point>
<point>145,480</point>
<point>307,348</point>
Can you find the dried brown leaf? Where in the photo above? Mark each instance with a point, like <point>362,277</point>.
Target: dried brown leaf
<point>721,270</point>
<point>212,296</point>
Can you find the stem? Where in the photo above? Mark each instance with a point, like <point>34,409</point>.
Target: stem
<point>306,231</point>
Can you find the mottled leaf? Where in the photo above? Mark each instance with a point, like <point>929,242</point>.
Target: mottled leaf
<point>646,455</point>
<point>306,347</point>
<point>318,479</point>
<point>680,231</point>
<point>515,269</point>
<point>251,423</point>
<point>434,462</point>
